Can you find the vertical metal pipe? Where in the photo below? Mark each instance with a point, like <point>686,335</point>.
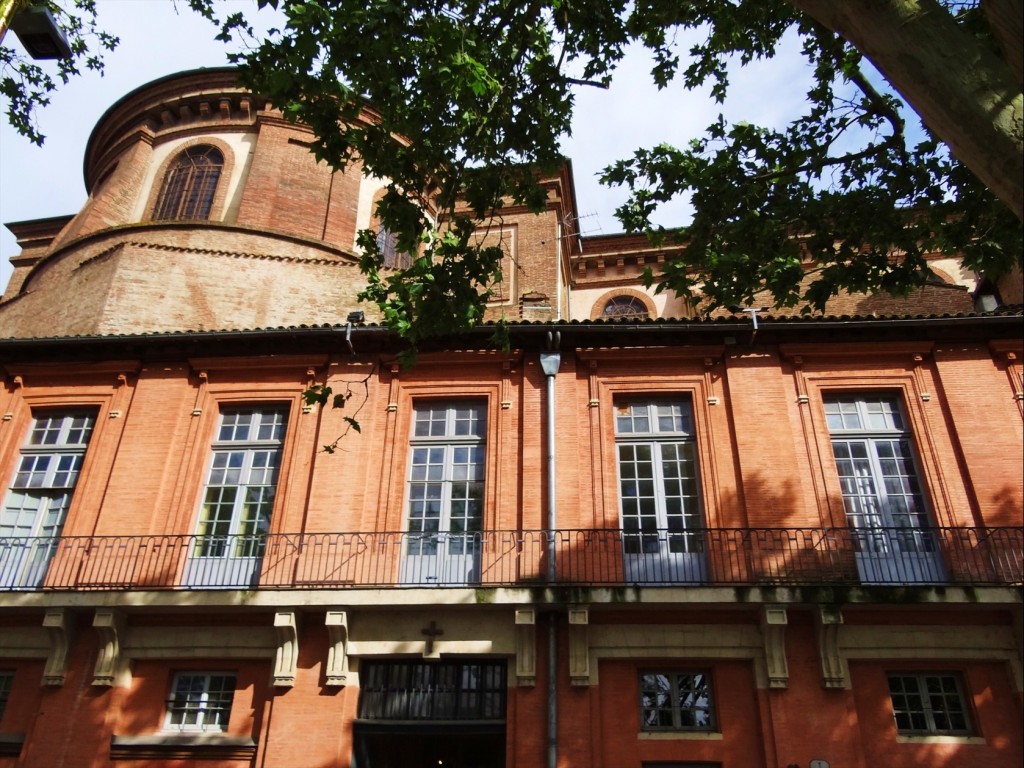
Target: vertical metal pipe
<point>552,690</point>
<point>549,362</point>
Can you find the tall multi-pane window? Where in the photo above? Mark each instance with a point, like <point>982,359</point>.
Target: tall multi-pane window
<point>926,703</point>
<point>676,701</point>
<point>190,185</point>
<point>239,497</point>
<point>659,491</point>
<point>39,495</point>
<point>446,492</point>
<point>885,506</point>
<point>200,701</point>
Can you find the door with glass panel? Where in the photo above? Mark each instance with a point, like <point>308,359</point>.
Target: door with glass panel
<point>39,496</point>
<point>446,492</point>
<point>659,492</point>
<point>237,500</point>
<point>885,508</point>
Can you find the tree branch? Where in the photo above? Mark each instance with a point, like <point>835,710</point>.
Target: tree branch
<point>978,110</point>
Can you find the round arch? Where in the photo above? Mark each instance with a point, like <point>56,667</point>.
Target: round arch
<point>622,303</point>
<point>194,146</point>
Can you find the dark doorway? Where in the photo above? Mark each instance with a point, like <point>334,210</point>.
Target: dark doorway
<point>428,746</point>
<point>431,714</point>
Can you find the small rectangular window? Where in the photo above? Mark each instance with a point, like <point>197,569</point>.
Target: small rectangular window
<point>200,701</point>
<point>676,701</point>
<point>926,704</point>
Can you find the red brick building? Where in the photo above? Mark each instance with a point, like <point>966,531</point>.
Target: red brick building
<point>639,538</point>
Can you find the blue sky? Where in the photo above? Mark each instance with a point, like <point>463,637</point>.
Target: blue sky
<point>158,39</point>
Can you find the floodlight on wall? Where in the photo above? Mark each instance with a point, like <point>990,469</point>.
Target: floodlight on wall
<point>752,311</point>
<point>38,32</point>
<point>356,317</point>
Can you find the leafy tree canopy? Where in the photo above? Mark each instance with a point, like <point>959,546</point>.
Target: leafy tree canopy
<point>470,98</point>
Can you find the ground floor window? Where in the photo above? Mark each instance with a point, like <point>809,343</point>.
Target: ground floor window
<point>200,701</point>
<point>676,701</point>
<point>926,703</point>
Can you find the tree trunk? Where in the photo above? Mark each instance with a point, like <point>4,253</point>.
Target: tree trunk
<point>962,90</point>
<point>1006,20</point>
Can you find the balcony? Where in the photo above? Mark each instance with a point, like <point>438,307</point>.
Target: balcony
<point>708,557</point>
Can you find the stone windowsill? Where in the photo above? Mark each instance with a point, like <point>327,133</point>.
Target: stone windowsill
<point>675,735</point>
<point>908,739</point>
<point>181,746</point>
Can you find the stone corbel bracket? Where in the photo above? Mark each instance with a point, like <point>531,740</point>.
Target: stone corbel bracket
<point>526,647</point>
<point>773,632</point>
<point>833,666</point>
<point>60,632</point>
<point>109,625</point>
<point>337,650</point>
<point>579,646</point>
<point>286,658</point>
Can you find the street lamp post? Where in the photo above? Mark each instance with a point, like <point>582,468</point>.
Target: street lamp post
<point>35,27</point>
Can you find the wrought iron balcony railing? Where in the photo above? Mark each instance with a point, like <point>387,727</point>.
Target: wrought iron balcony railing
<point>724,556</point>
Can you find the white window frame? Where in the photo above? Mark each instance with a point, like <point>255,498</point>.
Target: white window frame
<point>852,421</point>
<point>48,471</point>
<point>884,499</point>
<point>447,443</point>
<point>238,498</point>
<point>191,692</point>
<point>652,435</point>
<point>40,494</point>
<point>447,474</point>
<point>951,690</point>
<point>680,683</point>
<point>246,533</point>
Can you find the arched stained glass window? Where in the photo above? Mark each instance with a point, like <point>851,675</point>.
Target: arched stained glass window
<point>625,306</point>
<point>190,185</point>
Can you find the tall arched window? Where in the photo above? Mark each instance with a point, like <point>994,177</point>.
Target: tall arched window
<point>190,184</point>
<point>387,244</point>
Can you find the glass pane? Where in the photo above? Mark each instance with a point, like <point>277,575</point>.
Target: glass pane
<point>446,476</point>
